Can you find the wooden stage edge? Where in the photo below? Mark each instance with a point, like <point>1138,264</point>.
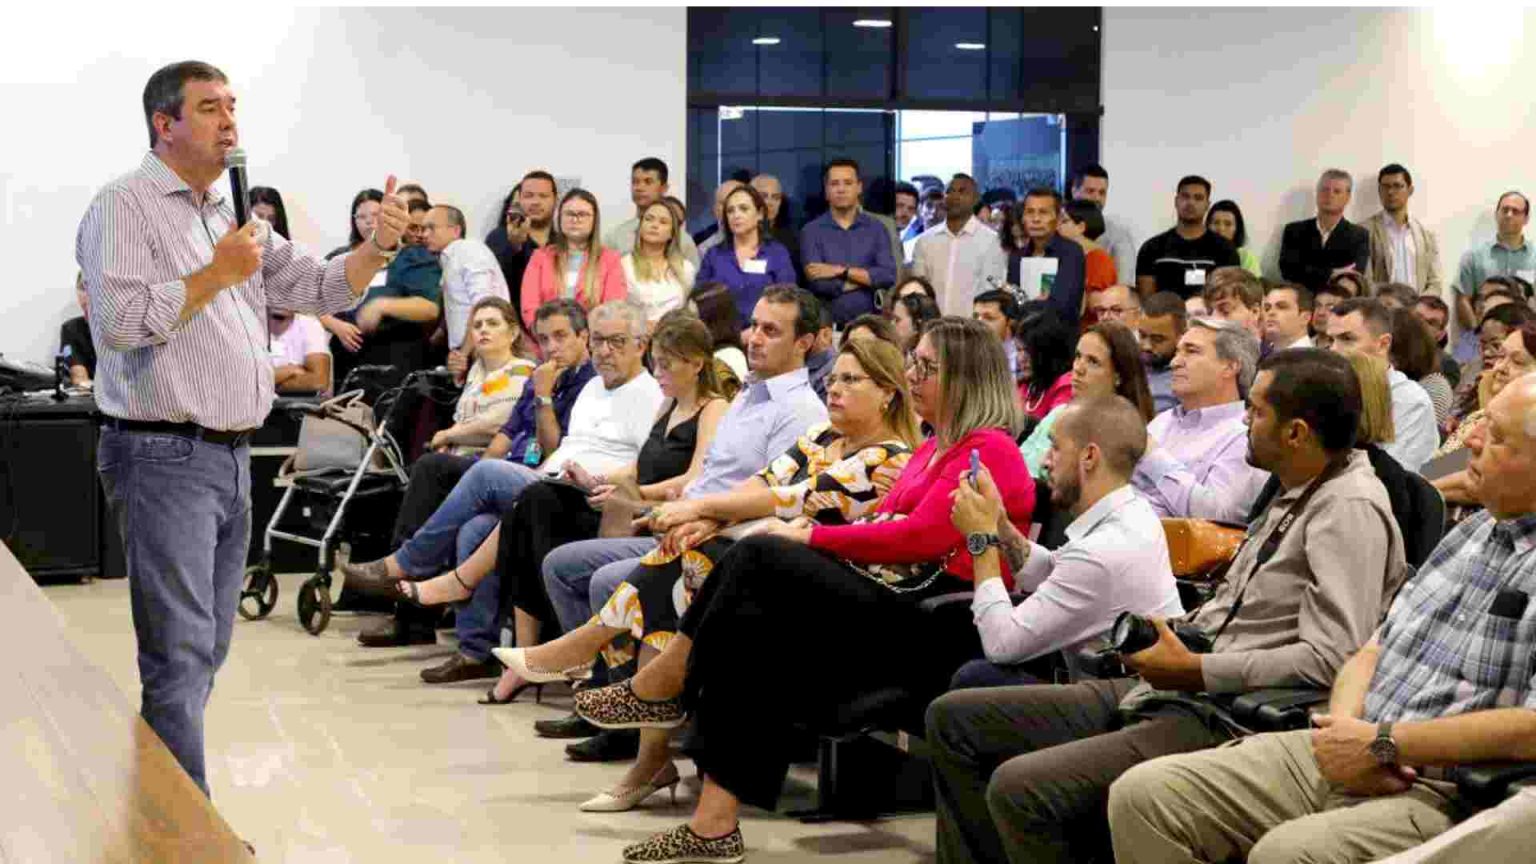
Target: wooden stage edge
<point>87,779</point>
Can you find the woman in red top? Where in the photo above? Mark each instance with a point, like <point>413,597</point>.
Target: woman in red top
<point>1046,347</point>
<point>565,267</point>
<point>791,625</point>
<point>1083,223</point>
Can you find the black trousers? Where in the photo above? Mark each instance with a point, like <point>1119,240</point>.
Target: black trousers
<point>433,476</point>
<point>783,635</point>
<point>547,515</point>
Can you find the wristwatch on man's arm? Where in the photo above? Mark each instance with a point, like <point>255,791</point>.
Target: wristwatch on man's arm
<point>1383,747</point>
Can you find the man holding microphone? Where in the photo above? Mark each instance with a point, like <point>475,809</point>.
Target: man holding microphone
<point>179,295</point>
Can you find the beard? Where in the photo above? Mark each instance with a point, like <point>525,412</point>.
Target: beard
<point>1154,362</point>
<point>1065,493</point>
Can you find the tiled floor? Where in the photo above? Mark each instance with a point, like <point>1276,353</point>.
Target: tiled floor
<point>320,750</point>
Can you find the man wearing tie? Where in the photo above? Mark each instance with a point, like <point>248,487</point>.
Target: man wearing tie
<point>179,296</point>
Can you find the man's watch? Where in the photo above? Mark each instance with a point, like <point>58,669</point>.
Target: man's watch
<point>978,543</point>
<point>388,254</point>
<point>1383,747</point>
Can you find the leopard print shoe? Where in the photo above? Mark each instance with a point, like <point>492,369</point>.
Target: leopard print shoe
<point>682,846</point>
<point>617,707</point>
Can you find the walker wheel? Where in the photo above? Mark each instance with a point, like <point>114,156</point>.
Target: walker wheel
<point>314,606</point>
<point>259,593</point>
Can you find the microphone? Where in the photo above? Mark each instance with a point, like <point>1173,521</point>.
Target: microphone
<point>238,188</point>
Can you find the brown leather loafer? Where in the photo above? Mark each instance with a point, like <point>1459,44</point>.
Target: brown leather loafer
<point>461,668</point>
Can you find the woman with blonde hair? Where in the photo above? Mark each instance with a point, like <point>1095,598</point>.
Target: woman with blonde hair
<point>658,275</point>
<point>575,265</point>
<point>1376,425</point>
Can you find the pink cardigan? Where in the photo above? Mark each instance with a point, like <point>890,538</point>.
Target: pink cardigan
<point>542,282</point>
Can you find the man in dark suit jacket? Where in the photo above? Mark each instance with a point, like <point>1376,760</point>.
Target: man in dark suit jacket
<point>1312,250</point>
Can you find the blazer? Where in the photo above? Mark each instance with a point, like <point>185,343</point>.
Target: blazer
<point>1427,278</point>
<point>1306,260</point>
<point>541,282</point>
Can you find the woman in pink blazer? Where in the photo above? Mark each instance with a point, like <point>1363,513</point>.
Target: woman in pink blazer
<point>564,267</point>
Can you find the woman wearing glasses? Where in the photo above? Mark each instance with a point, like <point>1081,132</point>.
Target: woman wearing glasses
<point>575,265</point>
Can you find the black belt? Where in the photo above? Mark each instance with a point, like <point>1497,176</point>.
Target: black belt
<point>235,438</point>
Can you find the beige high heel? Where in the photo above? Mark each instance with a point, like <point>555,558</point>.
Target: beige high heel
<point>620,799</point>
<point>516,659</point>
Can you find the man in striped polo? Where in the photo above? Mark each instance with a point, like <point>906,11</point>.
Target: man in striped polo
<point>179,297</point>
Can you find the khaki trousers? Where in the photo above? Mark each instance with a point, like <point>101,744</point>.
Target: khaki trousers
<point>1503,833</point>
<point>1263,798</point>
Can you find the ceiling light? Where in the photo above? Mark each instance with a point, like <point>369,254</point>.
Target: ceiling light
<point>766,40</point>
<point>1095,28</point>
<point>971,46</point>
<point>872,23</point>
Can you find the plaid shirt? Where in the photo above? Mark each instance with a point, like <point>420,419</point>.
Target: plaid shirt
<point>1444,650</point>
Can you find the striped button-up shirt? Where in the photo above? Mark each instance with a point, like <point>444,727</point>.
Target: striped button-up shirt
<point>141,237</point>
<point>1462,635</point>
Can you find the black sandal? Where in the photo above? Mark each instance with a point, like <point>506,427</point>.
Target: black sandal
<point>412,595</point>
<point>490,695</point>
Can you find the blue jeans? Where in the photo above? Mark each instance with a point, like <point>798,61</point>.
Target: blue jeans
<point>183,510</point>
<point>489,487</point>
<point>476,620</point>
<point>581,576</point>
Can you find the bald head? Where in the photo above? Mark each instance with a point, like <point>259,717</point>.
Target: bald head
<point>1113,424</point>
<point>1503,467</point>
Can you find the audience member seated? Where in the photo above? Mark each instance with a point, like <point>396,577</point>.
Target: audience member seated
<point>1023,773</point>
<point>301,357</point>
<point>647,186</point>
<point>75,339</point>
<point>1415,354</point>
<point>1091,182</point>
<point>1494,329</point>
<point>413,192</point>
<point>1045,361</point>
<point>1395,295</point>
<point>365,212</point>
<point>470,272</point>
<point>657,272</point>
<point>1107,363</point>
<point>267,205</point>
<point>751,260</point>
<point>818,363</point>
<point>1342,286</point>
<point>781,226</point>
<point>1118,303</point>
<point>851,585</point>
<point>527,223</point>
<point>873,327</point>
<point>1312,250</point>
<point>1517,359</point>
<point>1225,220</point>
<point>1083,224</point>
<point>914,285</point>
<point>1197,465</point>
<point>716,234</point>
<point>537,425</point>
<point>575,264</point>
<point>609,423</point>
<point>1178,259</point>
<point>960,257</point>
<point>1160,327</point>
<point>497,377</point>
<point>1047,265</point>
<point>1233,294</point>
<point>1363,324</point>
<point>999,311</point>
<point>834,474</point>
<point>1115,558</point>
<point>1437,317</point>
<point>1402,249</point>
<point>713,303</point>
<point>392,325</point>
<point>910,313</point>
<point>847,253</point>
<point>1287,315</point>
<point>1508,255</point>
<point>1445,681</point>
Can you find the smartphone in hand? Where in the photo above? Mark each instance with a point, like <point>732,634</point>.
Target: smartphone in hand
<point>975,467</point>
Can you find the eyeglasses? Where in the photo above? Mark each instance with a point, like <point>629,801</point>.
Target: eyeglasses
<point>612,343</point>
<point>279,317</point>
<point>846,379</point>
<point>576,216</point>
<point>922,367</point>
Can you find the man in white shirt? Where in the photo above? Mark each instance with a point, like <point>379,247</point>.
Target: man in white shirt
<point>647,185</point>
<point>1092,182</point>
<point>1115,558</point>
<point>1363,324</point>
<point>960,257</point>
<point>1287,312</point>
<point>470,272</point>
<point>301,352</point>
<point>1197,466</point>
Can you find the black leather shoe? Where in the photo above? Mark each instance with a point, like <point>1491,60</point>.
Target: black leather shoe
<point>390,634</point>
<point>461,668</point>
<point>570,726</point>
<point>606,746</point>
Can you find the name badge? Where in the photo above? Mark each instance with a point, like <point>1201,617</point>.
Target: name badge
<point>756,267</point>
<point>1194,277</point>
<point>379,278</point>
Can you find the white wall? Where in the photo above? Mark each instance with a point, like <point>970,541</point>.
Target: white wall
<point>1260,101</point>
<point>330,100</point>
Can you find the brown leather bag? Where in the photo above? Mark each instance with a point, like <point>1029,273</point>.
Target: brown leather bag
<point>1196,547</point>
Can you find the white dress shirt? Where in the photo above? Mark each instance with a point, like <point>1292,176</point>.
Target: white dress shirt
<point>1115,560</point>
<point>1402,253</point>
<point>959,264</point>
<point>470,272</point>
<point>1413,416</point>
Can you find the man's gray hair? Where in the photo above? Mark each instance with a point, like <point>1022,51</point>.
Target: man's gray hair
<point>1336,174</point>
<point>1234,345</point>
<point>632,313</point>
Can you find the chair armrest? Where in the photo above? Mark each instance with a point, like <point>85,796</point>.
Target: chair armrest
<point>1485,784</point>
<point>1277,709</point>
<point>942,603</point>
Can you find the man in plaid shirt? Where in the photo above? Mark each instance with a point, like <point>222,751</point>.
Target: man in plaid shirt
<point>1447,680</point>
